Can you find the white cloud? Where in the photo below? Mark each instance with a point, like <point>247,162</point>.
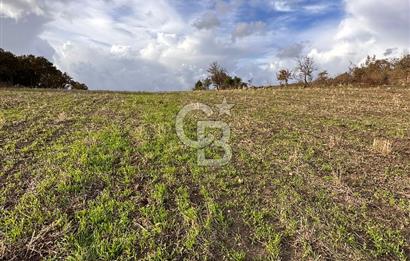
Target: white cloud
<point>167,44</point>
<point>370,27</point>
<point>18,8</point>
<point>317,8</point>
<point>282,6</point>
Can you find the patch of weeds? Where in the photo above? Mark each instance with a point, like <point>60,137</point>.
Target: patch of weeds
<point>103,231</point>
<point>386,242</point>
<point>190,216</point>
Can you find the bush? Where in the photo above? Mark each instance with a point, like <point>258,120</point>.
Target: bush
<point>374,72</point>
<point>202,85</point>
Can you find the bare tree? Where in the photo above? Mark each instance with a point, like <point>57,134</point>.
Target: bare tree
<point>403,65</point>
<point>305,68</point>
<point>217,75</point>
<point>284,76</point>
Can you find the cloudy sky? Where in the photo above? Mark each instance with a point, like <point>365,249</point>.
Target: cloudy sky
<point>163,45</point>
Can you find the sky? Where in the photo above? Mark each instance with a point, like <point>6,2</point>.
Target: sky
<point>166,45</point>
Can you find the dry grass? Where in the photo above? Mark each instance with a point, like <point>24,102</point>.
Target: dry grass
<point>382,146</point>
<point>2,120</point>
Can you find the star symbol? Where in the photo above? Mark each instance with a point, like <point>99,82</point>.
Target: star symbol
<point>225,108</point>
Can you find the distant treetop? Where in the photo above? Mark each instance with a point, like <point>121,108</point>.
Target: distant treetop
<point>33,72</point>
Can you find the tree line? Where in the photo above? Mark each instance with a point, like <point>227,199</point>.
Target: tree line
<point>373,72</point>
<point>33,72</point>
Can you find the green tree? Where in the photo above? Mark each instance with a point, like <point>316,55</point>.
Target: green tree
<point>8,67</point>
<point>284,76</point>
<point>218,75</point>
<point>199,86</point>
<point>34,72</point>
<point>207,84</point>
